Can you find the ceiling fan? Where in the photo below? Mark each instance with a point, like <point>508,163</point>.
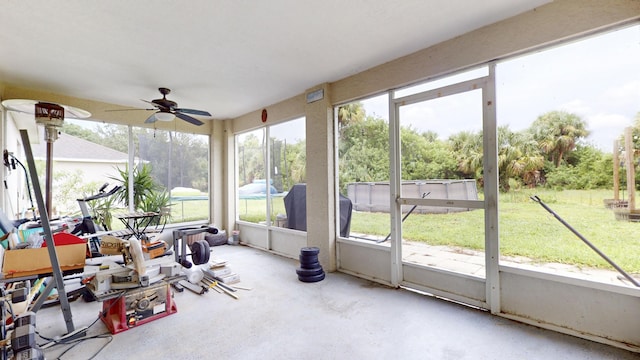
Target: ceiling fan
<point>168,110</point>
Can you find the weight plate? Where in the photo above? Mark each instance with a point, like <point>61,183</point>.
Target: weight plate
<point>309,272</point>
<point>200,252</point>
<point>310,279</point>
<point>309,251</point>
<point>306,259</point>
<point>197,251</point>
<point>310,266</point>
<point>207,251</point>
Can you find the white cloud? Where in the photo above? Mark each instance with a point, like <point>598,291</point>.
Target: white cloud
<point>577,106</point>
<point>605,128</point>
<point>600,121</point>
<point>625,95</point>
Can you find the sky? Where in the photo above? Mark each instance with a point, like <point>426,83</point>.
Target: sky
<point>597,78</point>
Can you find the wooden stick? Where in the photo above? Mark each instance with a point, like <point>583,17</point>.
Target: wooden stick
<point>228,292</point>
<point>240,287</point>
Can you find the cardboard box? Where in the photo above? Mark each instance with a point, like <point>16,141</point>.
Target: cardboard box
<point>221,271</point>
<point>26,262</point>
<point>230,279</point>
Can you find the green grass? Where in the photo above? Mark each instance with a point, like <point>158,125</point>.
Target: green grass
<point>526,229</point>
<point>191,210</point>
<point>253,210</point>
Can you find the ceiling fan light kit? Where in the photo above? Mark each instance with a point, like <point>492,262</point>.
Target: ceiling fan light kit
<point>164,116</point>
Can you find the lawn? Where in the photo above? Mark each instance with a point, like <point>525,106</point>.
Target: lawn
<point>189,210</point>
<point>526,229</point>
<point>253,210</point>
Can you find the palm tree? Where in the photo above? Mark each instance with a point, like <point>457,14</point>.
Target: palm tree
<point>557,133</point>
<point>468,147</point>
<point>350,113</point>
<point>518,157</point>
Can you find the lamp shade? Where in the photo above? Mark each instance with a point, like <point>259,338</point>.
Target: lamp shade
<point>164,116</point>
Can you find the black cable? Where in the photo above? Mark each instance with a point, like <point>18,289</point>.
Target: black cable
<point>26,174</point>
<point>76,342</point>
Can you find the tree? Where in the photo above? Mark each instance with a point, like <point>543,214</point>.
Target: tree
<point>426,157</point>
<point>179,159</point>
<point>295,161</point>
<point>80,132</point>
<point>518,158</point>
<point>251,159</point>
<point>351,113</point>
<point>467,147</point>
<point>364,152</point>
<point>586,168</point>
<point>557,133</point>
<point>635,134</point>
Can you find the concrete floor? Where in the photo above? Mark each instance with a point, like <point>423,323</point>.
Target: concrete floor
<point>341,317</point>
<point>472,262</point>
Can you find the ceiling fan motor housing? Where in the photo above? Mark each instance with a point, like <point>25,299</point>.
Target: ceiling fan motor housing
<point>168,110</point>
<point>168,104</point>
<point>164,103</point>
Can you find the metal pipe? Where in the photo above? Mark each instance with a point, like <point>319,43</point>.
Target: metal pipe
<point>405,216</point>
<point>49,177</point>
<point>593,247</point>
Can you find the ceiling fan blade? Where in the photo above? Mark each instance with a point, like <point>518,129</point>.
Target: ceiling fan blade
<point>188,118</point>
<point>194,112</point>
<point>151,119</point>
<point>131,109</point>
<point>152,103</point>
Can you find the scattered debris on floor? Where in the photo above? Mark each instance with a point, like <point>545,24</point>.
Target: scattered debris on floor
<point>216,275</point>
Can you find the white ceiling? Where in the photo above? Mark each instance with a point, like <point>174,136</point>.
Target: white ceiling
<point>228,57</point>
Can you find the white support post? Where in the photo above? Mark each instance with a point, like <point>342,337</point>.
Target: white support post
<point>491,185</point>
<point>395,192</point>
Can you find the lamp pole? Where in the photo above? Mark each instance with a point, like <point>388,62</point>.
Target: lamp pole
<point>51,116</point>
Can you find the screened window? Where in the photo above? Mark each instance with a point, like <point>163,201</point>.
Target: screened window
<point>363,165</point>
<point>270,161</point>
<point>170,171</point>
<point>562,115</point>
